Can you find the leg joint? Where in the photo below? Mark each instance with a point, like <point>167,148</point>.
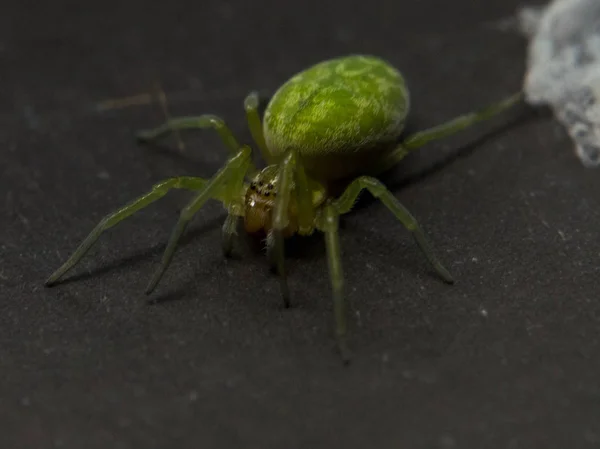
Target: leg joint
<point>251,101</point>
<point>373,185</point>
<point>331,222</point>
<point>209,120</point>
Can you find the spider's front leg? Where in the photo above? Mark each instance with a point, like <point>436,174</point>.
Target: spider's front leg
<point>327,221</point>
<point>225,184</point>
<point>292,183</point>
<point>158,191</point>
<point>209,121</point>
<point>280,220</point>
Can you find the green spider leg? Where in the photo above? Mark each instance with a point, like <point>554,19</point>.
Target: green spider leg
<point>227,184</point>
<point>280,220</point>
<point>327,222</point>
<point>229,231</point>
<point>346,200</point>
<point>251,103</point>
<point>205,121</point>
<point>292,182</point>
<point>235,207</point>
<point>303,190</point>
<point>158,191</point>
<point>196,122</point>
<point>454,126</point>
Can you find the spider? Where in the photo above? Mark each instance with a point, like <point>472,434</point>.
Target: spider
<point>339,121</point>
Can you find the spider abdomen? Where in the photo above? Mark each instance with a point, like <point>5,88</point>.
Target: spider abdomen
<point>338,114</point>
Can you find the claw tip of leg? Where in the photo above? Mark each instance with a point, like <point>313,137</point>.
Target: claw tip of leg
<point>50,281</point>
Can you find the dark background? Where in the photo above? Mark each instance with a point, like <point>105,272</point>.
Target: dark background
<point>506,358</point>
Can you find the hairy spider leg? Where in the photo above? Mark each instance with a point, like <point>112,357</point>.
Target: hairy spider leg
<point>158,191</point>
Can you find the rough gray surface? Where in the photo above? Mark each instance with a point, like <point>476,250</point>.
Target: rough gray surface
<point>506,358</point>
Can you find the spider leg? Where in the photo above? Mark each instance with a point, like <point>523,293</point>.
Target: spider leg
<point>235,208</point>
<point>421,138</point>
<point>275,242</point>
<point>303,189</point>
<point>460,123</point>
<point>196,122</point>
<point>251,103</point>
<point>229,230</point>
<point>328,223</point>
<point>158,191</point>
<point>345,202</point>
<point>293,185</point>
<point>233,172</point>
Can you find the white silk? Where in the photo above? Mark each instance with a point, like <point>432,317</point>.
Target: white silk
<point>563,69</point>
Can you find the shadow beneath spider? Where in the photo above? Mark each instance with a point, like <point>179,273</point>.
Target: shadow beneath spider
<point>179,294</point>
<point>310,247</point>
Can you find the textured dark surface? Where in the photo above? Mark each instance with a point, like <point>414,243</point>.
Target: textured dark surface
<point>506,358</point>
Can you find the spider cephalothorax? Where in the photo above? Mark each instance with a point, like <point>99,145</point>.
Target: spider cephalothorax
<point>259,201</point>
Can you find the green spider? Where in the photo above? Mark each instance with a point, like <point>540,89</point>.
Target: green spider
<point>339,121</point>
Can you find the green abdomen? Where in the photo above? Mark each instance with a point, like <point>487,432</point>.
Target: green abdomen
<point>338,114</point>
